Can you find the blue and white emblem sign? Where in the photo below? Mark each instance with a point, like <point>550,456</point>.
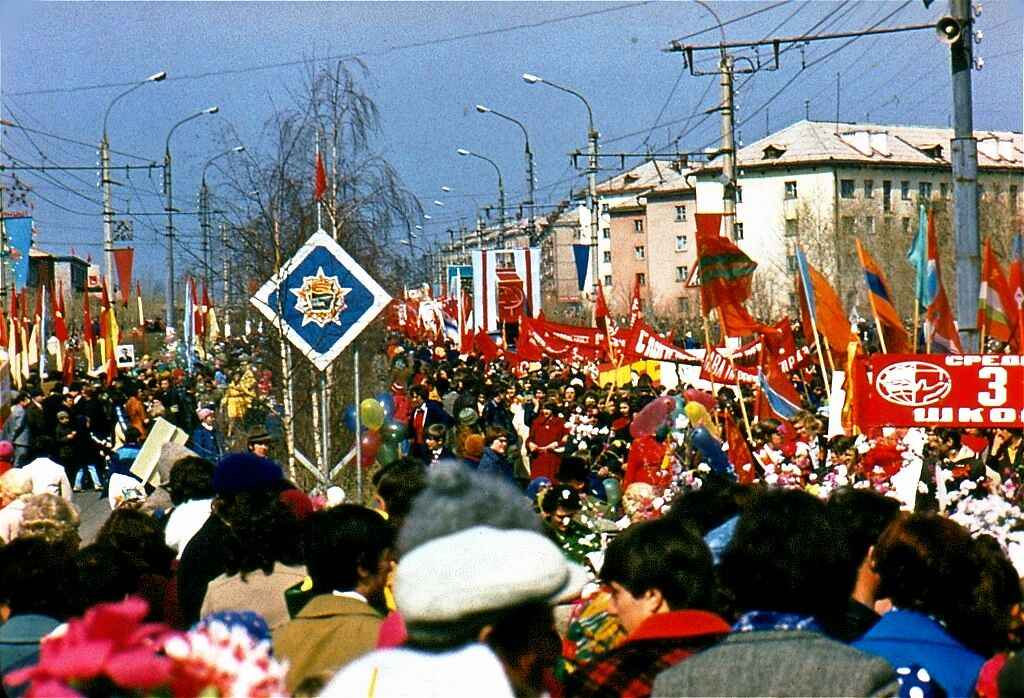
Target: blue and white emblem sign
<point>321,299</point>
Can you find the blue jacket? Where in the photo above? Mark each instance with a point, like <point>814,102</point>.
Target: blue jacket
<point>496,464</point>
<point>207,443</point>
<point>19,645</point>
<point>908,637</point>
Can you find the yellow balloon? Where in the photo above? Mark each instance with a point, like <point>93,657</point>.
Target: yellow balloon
<point>696,413</point>
<point>371,414</point>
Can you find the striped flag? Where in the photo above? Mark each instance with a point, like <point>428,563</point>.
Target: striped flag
<point>521,271</point>
<point>940,330</point>
<point>778,393</point>
<point>993,298</point>
<point>895,340</point>
<point>1017,292</point>
<point>923,257</point>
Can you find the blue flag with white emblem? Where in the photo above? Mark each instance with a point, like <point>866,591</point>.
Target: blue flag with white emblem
<point>321,299</point>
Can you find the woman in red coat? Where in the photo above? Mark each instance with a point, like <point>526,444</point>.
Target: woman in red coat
<point>646,456</point>
<point>547,433</point>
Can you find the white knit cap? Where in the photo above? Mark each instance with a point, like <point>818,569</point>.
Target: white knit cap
<point>482,569</point>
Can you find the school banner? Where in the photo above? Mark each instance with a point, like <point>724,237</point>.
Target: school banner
<point>642,342</point>
<point>951,390</point>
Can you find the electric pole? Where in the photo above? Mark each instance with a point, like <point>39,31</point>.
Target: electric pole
<point>728,147</point>
<point>224,272</point>
<point>108,215</point>
<point>204,228</point>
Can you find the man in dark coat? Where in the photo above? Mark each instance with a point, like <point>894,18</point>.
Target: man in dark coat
<point>425,412</point>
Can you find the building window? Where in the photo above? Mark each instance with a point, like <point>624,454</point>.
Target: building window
<point>641,279</point>
<point>737,231</point>
<point>791,190</point>
<point>905,190</point>
<point>607,279</point>
<point>607,257</point>
<point>640,251</point>
<point>638,225</point>
<point>869,225</point>
<point>606,233</point>
<point>869,188</point>
<point>682,273</point>
<point>684,305</point>
<point>792,227</point>
<point>739,195</point>
<point>887,225</point>
<point>680,214</point>
<point>943,191</point>
<point>681,241</point>
<point>924,190</point>
<point>791,262</point>
<point>886,195</point>
<point>604,208</point>
<point>846,188</point>
<point>905,224</point>
<point>846,223</point>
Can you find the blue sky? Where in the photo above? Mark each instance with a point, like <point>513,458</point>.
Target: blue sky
<point>610,52</point>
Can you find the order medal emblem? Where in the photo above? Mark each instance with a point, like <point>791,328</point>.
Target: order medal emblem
<point>321,299</point>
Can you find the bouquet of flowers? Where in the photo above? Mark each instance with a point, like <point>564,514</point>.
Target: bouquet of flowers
<point>111,651</point>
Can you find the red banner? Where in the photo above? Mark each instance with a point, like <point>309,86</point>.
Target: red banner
<point>717,369</point>
<point>642,342</point>
<point>953,390</point>
<point>123,259</point>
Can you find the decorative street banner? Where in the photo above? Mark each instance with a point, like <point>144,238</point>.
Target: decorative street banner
<point>19,238</point>
<point>717,368</point>
<point>321,299</point>
<point>642,342</point>
<point>952,390</point>
<point>457,275</point>
<point>505,284</point>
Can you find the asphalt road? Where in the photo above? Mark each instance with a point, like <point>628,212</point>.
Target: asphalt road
<point>93,510</point>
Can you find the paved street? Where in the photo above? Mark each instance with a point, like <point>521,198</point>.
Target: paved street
<point>94,510</point>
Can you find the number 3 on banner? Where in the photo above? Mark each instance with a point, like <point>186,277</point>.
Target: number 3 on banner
<point>995,396</point>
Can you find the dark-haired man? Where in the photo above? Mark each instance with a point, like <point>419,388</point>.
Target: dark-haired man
<point>424,413</point>
<point>348,555</point>
<point>663,591</point>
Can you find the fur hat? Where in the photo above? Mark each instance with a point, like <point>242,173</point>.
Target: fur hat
<point>245,472</point>
<point>479,570</point>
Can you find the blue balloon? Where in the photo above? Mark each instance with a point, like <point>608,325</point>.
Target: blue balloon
<point>387,401</point>
<point>348,418</point>
<point>711,449</point>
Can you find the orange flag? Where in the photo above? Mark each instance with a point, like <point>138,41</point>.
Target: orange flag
<point>895,340</point>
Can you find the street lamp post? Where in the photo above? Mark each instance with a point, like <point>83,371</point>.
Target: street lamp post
<point>592,137</point>
<point>108,205</point>
<point>169,313</point>
<point>501,193</point>
<point>531,225</point>
<point>204,214</point>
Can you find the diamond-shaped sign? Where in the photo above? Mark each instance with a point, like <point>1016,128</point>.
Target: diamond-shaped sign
<point>321,299</point>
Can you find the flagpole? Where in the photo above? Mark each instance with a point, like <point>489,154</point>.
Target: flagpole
<point>739,396</point>
<point>878,328</point>
<point>917,321</point>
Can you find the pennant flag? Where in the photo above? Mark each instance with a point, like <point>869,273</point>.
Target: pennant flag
<point>993,299</point>
<point>188,329</point>
<point>110,333</point>
<point>636,304</point>
<point>210,324</point>
<point>37,326</point>
<point>14,342</point>
<point>600,310</point>
<point>138,299</point>
<point>739,451</point>
<point>1016,282</point>
<point>124,258</point>
<point>19,241</point>
<point>921,257</point>
<point>87,334</point>
<point>940,331</point>
<point>60,328</point>
<point>581,255</point>
<point>895,339</point>
<point>320,184</point>
<point>4,331</point>
<point>778,393</point>
<point>821,301</point>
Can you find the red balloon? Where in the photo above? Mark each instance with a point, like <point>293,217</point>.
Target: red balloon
<point>368,446</point>
<point>706,399</point>
<point>652,416</point>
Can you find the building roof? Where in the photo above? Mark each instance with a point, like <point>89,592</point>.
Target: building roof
<point>644,176</point>
<point>808,142</point>
<point>677,181</point>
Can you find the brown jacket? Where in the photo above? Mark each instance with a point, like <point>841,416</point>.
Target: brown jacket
<point>328,633</point>
<point>258,592</point>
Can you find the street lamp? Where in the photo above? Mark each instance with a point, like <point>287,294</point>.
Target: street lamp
<point>108,196</point>
<point>529,163</point>
<point>169,290</point>
<point>592,137</point>
<point>204,220</point>
<point>501,192</point>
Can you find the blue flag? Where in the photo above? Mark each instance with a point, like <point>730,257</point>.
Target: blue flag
<point>917,255</point>
<point>581,253</point>
<point>19,237</point>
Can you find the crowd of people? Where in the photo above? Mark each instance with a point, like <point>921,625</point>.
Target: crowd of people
<point>532,533</point>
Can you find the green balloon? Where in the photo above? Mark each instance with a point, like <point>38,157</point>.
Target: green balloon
<point>387,453</point>
<point>371,413</point>
<point>394,432</point>
<point>612,489</point>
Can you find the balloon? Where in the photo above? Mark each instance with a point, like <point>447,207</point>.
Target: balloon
<point>706,399</point>
<point>652,416</point>
<point>348,418</point>
<point>613,491</point>
<point>368,446</point>
<point>387,401</point>
<point>394,432</point>
<point>372,413</point>
<point>696,413</point>
<point>387,453</point>
<point>711,449</point>
<point>680,406</point>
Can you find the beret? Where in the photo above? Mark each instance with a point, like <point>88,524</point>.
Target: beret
<point>245,472</point>
<point>482,569</point>
<point>6,449</point>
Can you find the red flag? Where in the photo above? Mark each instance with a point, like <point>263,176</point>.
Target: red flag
<point>198,315</point>
<point>636,305</point>
<point>60,327</point>
<point>600,310</point>
<point>939,328</point>
<point>1016,282</point>
<point>485,346</point>
<point>320,185</point>
<point>880,296</point>
<point>3,330</point>
<point>739,452</point>
<point>995,301</point>
<point>123,260</point>
<point>87,334</point>
<point>68,369</point>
